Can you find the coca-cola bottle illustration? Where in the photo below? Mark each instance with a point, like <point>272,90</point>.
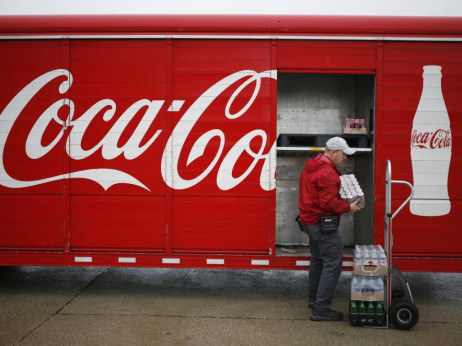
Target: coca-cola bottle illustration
<point>431,145</point>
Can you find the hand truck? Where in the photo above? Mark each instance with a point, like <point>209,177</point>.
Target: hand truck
<point>399,304</point>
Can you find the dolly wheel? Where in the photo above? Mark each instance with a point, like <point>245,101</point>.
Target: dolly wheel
<point>404,315</point>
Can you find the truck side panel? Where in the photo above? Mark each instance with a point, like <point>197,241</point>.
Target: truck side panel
<point>31,218</point>
<point>151,146</point>
<point>230,216</point>
<point>403,64</point>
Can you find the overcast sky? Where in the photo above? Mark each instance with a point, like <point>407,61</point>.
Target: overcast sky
<point>336,7</point>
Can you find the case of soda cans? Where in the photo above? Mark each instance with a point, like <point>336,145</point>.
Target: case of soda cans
<point>355,126</point>
<point>367,286</point>
<point>370,260</point>
<point>350,190</point>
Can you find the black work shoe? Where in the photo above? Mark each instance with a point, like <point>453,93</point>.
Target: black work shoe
<point>329,315</point>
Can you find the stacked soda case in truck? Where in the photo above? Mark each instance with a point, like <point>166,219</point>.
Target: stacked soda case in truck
<point>367,286</point>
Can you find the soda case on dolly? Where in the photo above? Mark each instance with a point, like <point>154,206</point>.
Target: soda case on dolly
<point>373,303</point>
<point>367,286</point>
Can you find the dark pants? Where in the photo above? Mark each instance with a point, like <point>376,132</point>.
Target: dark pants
<point>325,266</point>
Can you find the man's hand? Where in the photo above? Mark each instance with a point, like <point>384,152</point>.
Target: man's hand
<point>354,206</point>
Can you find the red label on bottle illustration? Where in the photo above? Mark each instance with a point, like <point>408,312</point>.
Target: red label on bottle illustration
<point>439,139</point>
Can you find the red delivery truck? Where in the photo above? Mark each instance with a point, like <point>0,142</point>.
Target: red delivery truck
<point>177,141</point>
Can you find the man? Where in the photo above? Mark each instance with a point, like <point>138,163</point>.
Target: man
<point>319,196</point>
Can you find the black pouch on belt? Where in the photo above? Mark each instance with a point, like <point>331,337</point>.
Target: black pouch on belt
<point>297,219</point>
<point>328,224</point>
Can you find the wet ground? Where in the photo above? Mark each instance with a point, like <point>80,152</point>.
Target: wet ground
<point>138,306</point>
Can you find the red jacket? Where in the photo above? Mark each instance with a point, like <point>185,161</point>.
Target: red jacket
<point>319,190</point>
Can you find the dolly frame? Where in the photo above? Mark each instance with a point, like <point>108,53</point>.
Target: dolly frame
<point>400,309</point>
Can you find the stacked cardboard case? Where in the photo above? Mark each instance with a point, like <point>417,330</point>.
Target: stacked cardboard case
<point>367,286</point>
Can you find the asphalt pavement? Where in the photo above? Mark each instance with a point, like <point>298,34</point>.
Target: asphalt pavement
<point>145,306</point>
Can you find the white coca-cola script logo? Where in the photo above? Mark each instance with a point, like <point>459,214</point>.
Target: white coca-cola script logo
<point>132,149</point>
<point>438,139</point>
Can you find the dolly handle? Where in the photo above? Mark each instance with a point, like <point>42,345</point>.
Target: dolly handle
<point>407,200</point>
